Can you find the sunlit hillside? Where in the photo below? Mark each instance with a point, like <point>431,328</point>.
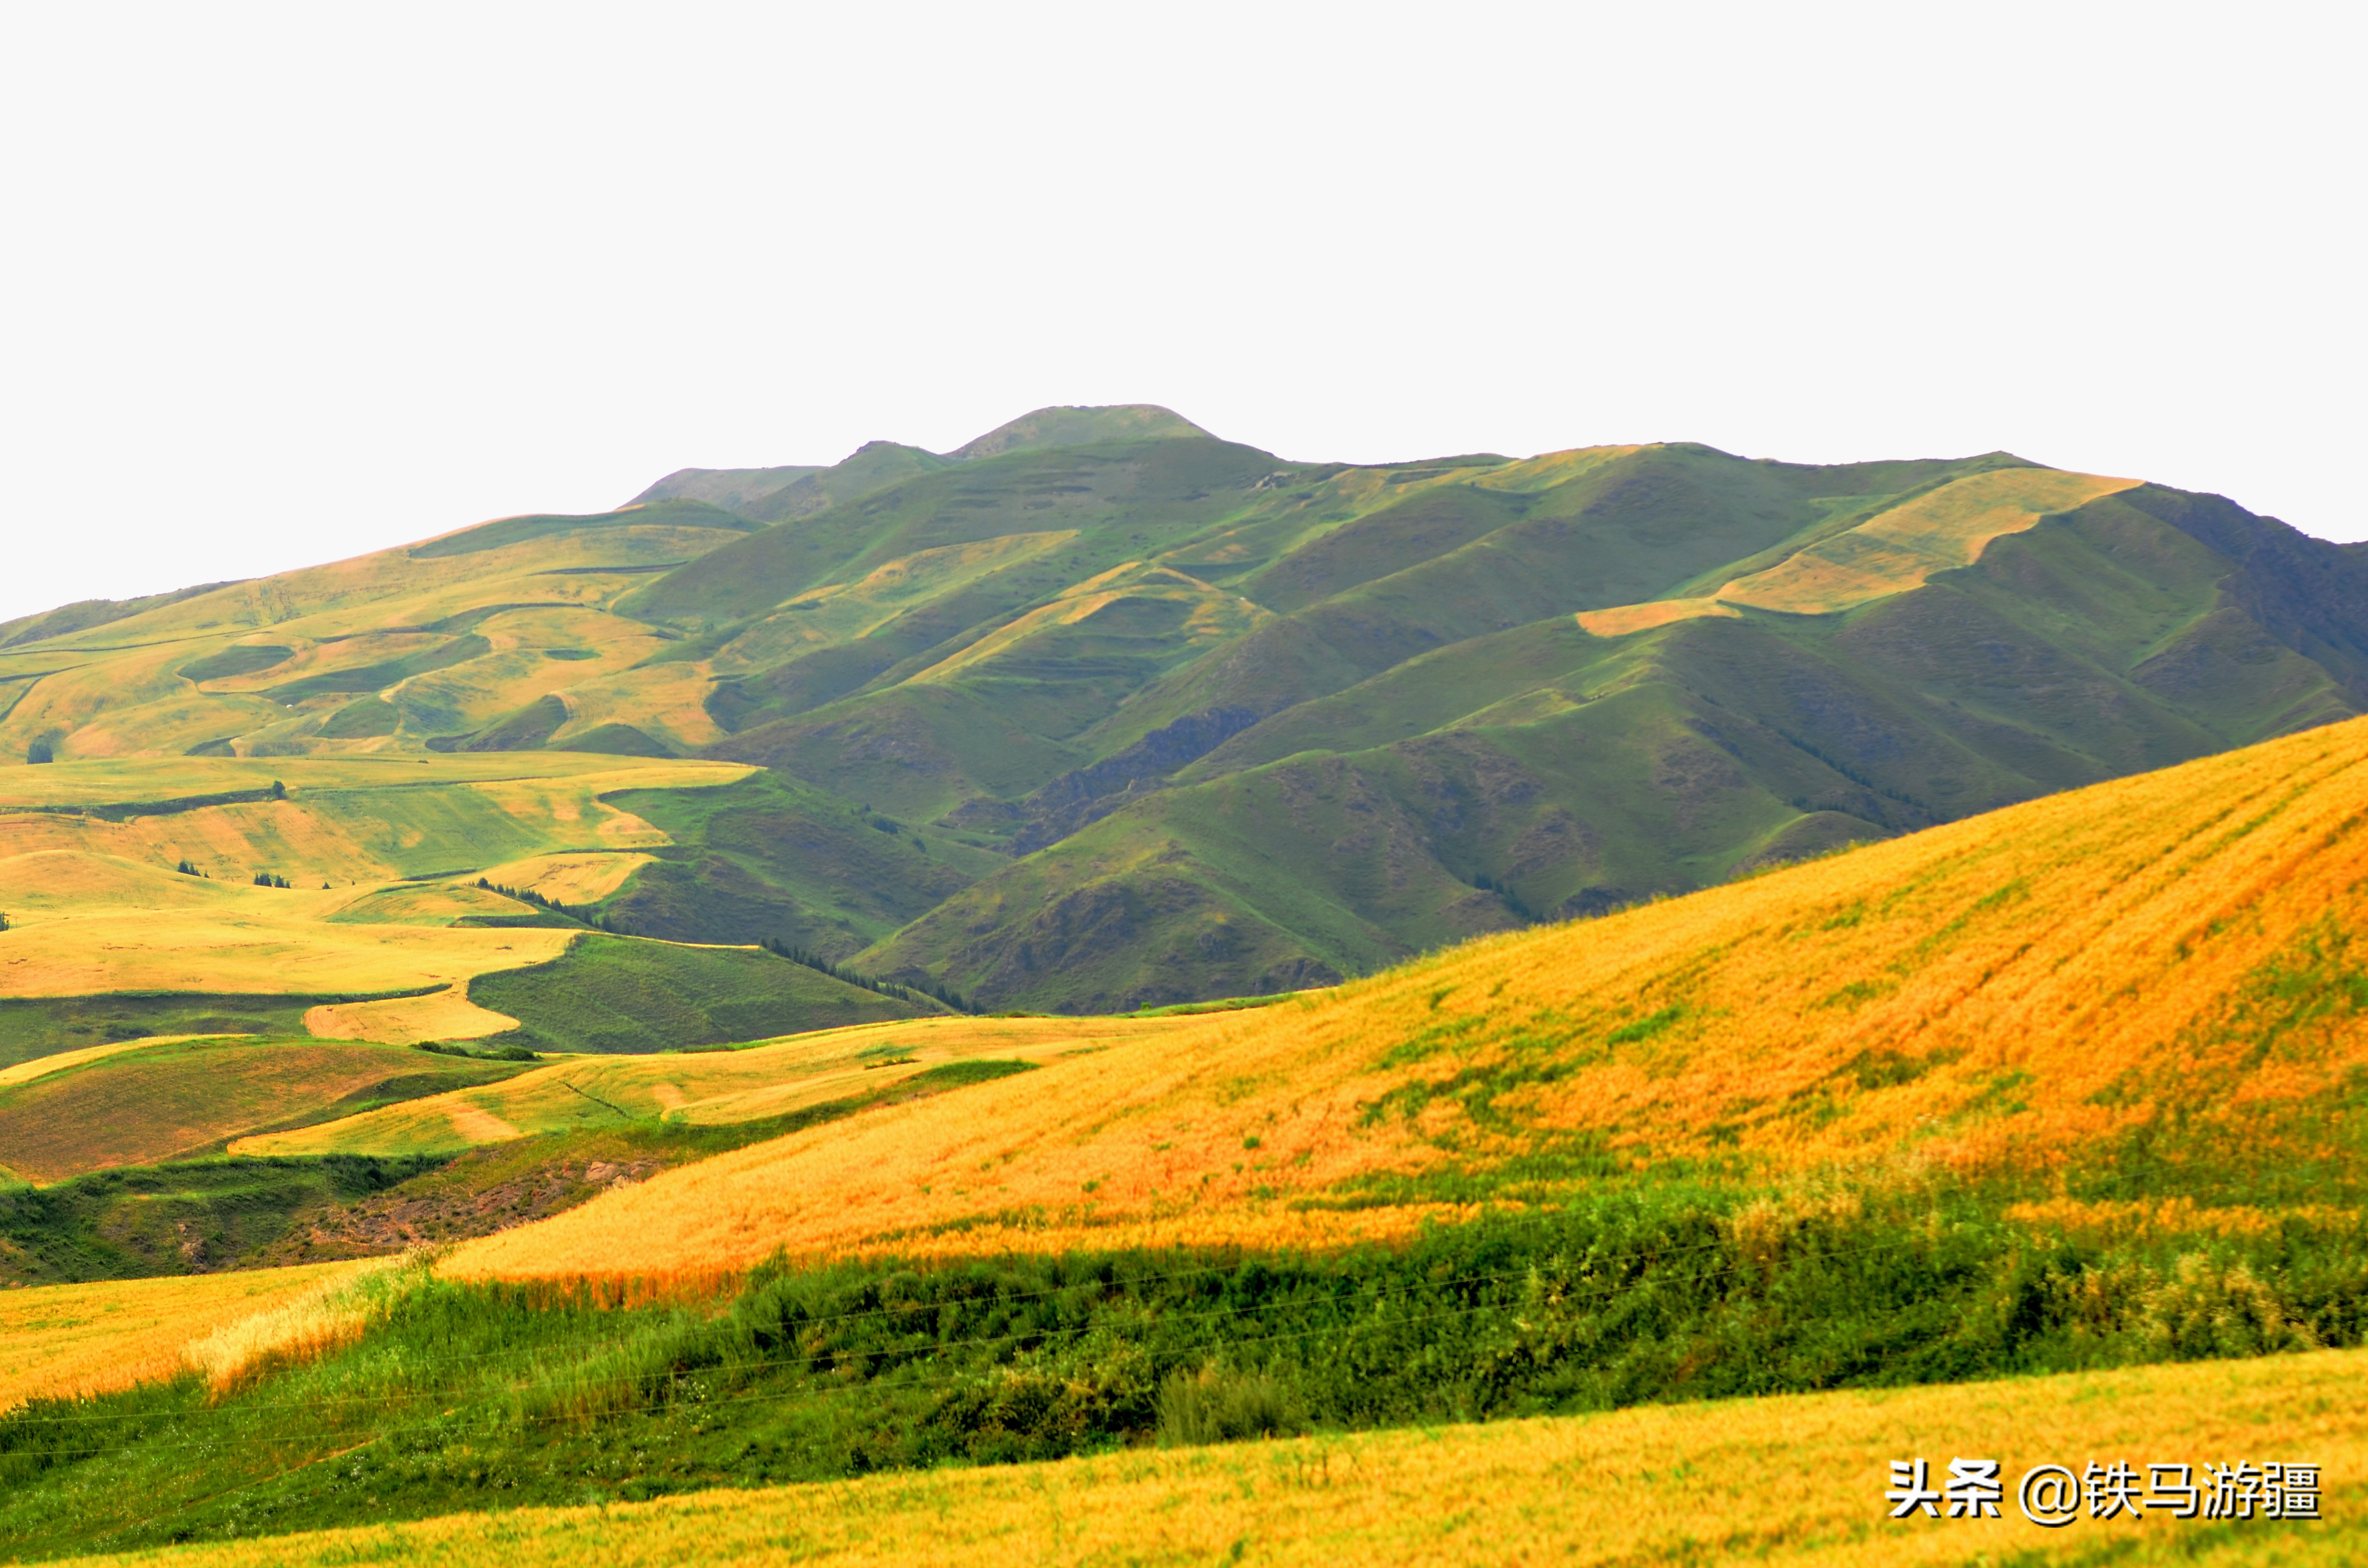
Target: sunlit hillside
<point>367,898</point>
<point>2135,1003</point>
<point>1101,711</point>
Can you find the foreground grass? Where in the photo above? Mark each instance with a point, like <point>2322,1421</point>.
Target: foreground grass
<point>65,1340</point>
<point>446,1396</point>
<point>1791,1480</point>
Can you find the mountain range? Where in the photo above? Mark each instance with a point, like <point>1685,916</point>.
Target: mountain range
<point>1101,710</point>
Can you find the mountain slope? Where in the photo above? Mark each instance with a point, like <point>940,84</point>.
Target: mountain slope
<point>1100,710</point>
<point>2147,997</point>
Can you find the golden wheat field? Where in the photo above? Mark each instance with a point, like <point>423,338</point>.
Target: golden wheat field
<point>707,1086</point>
<point>1791,1480</point>
<point>2011,994</point>
<point>381,854</point>
<point>62,1340</point>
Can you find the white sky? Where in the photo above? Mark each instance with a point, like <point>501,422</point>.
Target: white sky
<point>287,283</point>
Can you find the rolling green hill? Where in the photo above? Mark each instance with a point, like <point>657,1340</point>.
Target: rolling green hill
<point>614,993</point>
<point>1099,710</point>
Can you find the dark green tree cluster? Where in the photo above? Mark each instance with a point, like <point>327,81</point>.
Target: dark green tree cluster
<point>584,912</point>
<point>780,949</point>
<point>186,870</point>
<point>266,879</point>
<point>41,751</point>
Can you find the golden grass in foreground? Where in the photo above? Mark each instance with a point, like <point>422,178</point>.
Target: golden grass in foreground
<point>1792,1480</point>
<point>2018,993</point>
<point>331,1314</point>
<point>61,1340</point>
<point>707,1086</point>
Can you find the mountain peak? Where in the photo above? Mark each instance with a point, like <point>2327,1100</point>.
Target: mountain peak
<point>1073,427</point>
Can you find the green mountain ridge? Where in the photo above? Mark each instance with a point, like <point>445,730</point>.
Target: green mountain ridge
<point>1099,710</point>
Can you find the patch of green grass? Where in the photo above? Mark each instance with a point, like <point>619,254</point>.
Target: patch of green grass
<point>1222,1005</point>
<point>620,993</point>
<point>463,1397</point>
<point>519,530</point>
<point>33,1026</point>
<point>188,1217</point>
<point>773,858</point>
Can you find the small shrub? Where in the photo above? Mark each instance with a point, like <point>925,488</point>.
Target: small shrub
<point>1219,1405</point>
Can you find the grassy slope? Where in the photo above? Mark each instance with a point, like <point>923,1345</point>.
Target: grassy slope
<point>158,1102</point>
<point>32,1027</point>
<point>995,646</point>
<point>770,856</point>
<point>703,1088</point>
<point>2068,1086</point>
<point>196,1217</point>
<point>248,1212</point>
<point>618,994</point>
<point>1573,773</point>
<point>1788,1481</point>
<point>86,1338</point>
<point>448,1396</point>
<point>108,942</point>
<point>2136,993</point>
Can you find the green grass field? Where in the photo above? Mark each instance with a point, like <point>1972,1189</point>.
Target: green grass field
<point>615,994</point>
<point>468,1397</point>
<point>35,1026</point>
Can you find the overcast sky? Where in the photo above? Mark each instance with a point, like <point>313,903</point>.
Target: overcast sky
<point>285,284</point>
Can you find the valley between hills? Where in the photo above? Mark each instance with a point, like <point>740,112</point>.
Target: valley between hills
<point>1107,994</point>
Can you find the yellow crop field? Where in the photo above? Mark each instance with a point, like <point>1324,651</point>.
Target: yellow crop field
<point>1621,620</point>
<point>1895,550</point>
<point>61,1340</point>
<point>704,1087</point>
<point>408,1020</point>
<point>568,878</point>
<point>1792,1480</point>
<point>259,949</point>
<point>96,905</point>
<point>2010,995</point>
